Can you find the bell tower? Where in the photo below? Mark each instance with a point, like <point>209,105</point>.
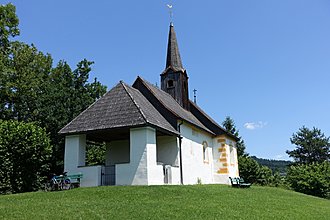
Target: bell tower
<point>174,79</point>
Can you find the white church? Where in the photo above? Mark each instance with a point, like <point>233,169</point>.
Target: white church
<point>154,136</point>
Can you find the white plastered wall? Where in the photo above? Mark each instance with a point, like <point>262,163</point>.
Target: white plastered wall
<point>75,152</point>
<point>74,161</point>
<point>168,154</point>
<point>193,163</point>
<point>117,152</point>
<point>143,168</point>
<point>168,150</point>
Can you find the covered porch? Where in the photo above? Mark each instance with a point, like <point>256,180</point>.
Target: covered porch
<point>134,156</point>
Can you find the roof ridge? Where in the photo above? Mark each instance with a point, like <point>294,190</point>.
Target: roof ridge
<point>143,81</point>
<point>137,106</point>
<point>148,85</point>
<point>165,93</point>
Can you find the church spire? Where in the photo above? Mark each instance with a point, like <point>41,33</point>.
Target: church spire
<point>174,79</point>
<point>173,59</point>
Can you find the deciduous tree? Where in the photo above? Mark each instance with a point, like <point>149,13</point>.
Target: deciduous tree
<point>8,25</point>
<point>24,154</point>
<point>31,89</point>
<point>312,179</point>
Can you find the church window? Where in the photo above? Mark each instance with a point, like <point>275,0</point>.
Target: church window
<point>232,155</point>
<point>205,152</point>
<point>170,84</point>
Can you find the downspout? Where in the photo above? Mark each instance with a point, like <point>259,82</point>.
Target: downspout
<point>180,152</point>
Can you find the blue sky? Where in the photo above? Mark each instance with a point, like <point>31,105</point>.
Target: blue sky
<point>264,63</point>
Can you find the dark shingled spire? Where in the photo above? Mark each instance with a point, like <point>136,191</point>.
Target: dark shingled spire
<point>173,60</point>
<point>174,79</point>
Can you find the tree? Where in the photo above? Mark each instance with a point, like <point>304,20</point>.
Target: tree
<point>8,25</point>
<point>310,172</point>
<point>32,90</point>
<point>68,93</point>
<point>230,127</point>
<point>23,82</point>
<point>95,154</point>
<point>264,176</point>
<point>277,179</point>
<point>311,146</point>
<point>248,169</point>
<point>312,179</point>
<point>24,152</point>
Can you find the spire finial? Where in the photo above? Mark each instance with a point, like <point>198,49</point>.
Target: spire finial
<point>170,10</point>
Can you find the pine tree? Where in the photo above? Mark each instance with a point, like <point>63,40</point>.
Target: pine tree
<point>230,126</point>
<point>311,146</point>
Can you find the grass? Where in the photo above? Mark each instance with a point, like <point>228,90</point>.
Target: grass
<point>165,202</point>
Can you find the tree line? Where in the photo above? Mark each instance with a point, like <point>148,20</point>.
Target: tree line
<point>275,165</point>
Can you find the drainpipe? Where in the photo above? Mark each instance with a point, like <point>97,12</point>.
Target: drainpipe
<point>180,153</point>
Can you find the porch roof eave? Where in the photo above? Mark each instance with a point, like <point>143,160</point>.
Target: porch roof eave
<point>118,133</point>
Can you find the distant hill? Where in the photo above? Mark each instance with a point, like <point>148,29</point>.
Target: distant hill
<point>274,165</point>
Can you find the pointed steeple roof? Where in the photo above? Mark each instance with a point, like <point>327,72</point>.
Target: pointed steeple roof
<point>173,60</point>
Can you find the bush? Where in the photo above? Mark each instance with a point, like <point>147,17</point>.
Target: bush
<point>24,152</point>
<point>248,169</point>
<point>312,179</point>
<point>265,176</point>
<point>253,172</point>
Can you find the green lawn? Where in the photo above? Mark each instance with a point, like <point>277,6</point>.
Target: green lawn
<point>165,202</point>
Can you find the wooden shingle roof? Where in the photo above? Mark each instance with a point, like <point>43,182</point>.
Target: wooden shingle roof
<point>173,59</point>
<point>168,102</point>
<point>195,116</point>
<point>123,106</point>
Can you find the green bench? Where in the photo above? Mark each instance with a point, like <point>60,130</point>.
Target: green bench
<point>234,182</point>
<point>239,182</point>
<point>75,179</point>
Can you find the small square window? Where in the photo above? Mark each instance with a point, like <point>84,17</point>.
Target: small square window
<point>170,84</point>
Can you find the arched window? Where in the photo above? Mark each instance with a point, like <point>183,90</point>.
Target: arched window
<point>232,155</point>
<point>205,152</point>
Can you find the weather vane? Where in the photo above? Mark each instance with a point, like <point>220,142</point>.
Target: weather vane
<point>170,9</point>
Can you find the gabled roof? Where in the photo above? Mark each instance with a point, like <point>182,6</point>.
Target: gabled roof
<point>121,107</point>
<point>168,102</point>
<point>173,59</point>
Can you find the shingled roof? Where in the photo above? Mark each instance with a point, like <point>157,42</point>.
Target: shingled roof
<point>195,116</point>
<point>168,102</point>
<point>173,59</point>
<point>123,106</point>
